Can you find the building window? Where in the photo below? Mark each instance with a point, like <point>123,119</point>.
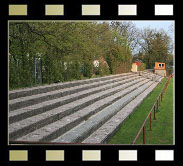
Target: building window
<point>159,64</point>
<point>162,65</point>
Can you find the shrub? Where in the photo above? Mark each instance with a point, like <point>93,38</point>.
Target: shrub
<point>88,69</point>
<point>103,69</point>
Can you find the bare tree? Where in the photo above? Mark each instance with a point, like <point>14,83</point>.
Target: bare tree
<point>128,31</point>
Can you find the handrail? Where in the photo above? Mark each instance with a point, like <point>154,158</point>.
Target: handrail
<point>157,102</point>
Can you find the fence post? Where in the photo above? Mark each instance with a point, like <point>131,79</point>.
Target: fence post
<point>150,122</point>
<point>144,141</point>
<point>154,112</point>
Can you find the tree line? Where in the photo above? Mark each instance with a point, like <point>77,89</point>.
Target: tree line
<point>65,51</point>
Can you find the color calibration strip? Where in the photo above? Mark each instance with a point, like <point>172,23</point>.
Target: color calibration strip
<point>90,10</point>
<point>91,155</point>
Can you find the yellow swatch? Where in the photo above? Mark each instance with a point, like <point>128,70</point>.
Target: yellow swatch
<point>127,9</point>
<point>90,9</point>
<point>18,155</point>
<point>17,10</point>
<point>54,9</point>
<point>127,155</point>
<point>54,155</point>
<point>91,155</point>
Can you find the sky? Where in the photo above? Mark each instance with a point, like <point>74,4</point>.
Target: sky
<point>158,25</point>
<point>154,24</point>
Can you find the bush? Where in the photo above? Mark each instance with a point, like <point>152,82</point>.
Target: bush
<point>72,71</point>
<point>20,75</point>
<point>88,69</point>
<point>76,70</point>
<point>103,70</point>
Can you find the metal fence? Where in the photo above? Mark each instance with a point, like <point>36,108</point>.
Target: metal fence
<point>153,109</point>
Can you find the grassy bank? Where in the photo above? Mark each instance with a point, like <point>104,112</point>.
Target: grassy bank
<point>162,127</point>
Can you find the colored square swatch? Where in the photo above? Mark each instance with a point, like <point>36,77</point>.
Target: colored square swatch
<point>127,155</point>
<point>91,155</point>
<point>90,9</point>
<point>163,10</point>
<point>17,10</point>
<point>127,10</point>
<point>164,155</point>
<point>54,10</point>
<point>54,155</point>
<point>18,155</point>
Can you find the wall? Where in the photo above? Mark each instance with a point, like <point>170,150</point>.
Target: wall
<point>134,67</point>
<point>161,72</point>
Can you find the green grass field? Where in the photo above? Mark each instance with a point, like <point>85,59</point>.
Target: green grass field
<point>162,127</point>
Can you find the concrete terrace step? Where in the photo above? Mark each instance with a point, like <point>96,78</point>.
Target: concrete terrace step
<point>53,130</point>
<point>82,131</point>
<point>108,129</point>
<point>36,109</point>
<point>43,89</point>
<point>25,126</point>
<point>38,98</point>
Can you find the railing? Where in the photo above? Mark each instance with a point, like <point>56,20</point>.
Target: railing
<point>154,108</point>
